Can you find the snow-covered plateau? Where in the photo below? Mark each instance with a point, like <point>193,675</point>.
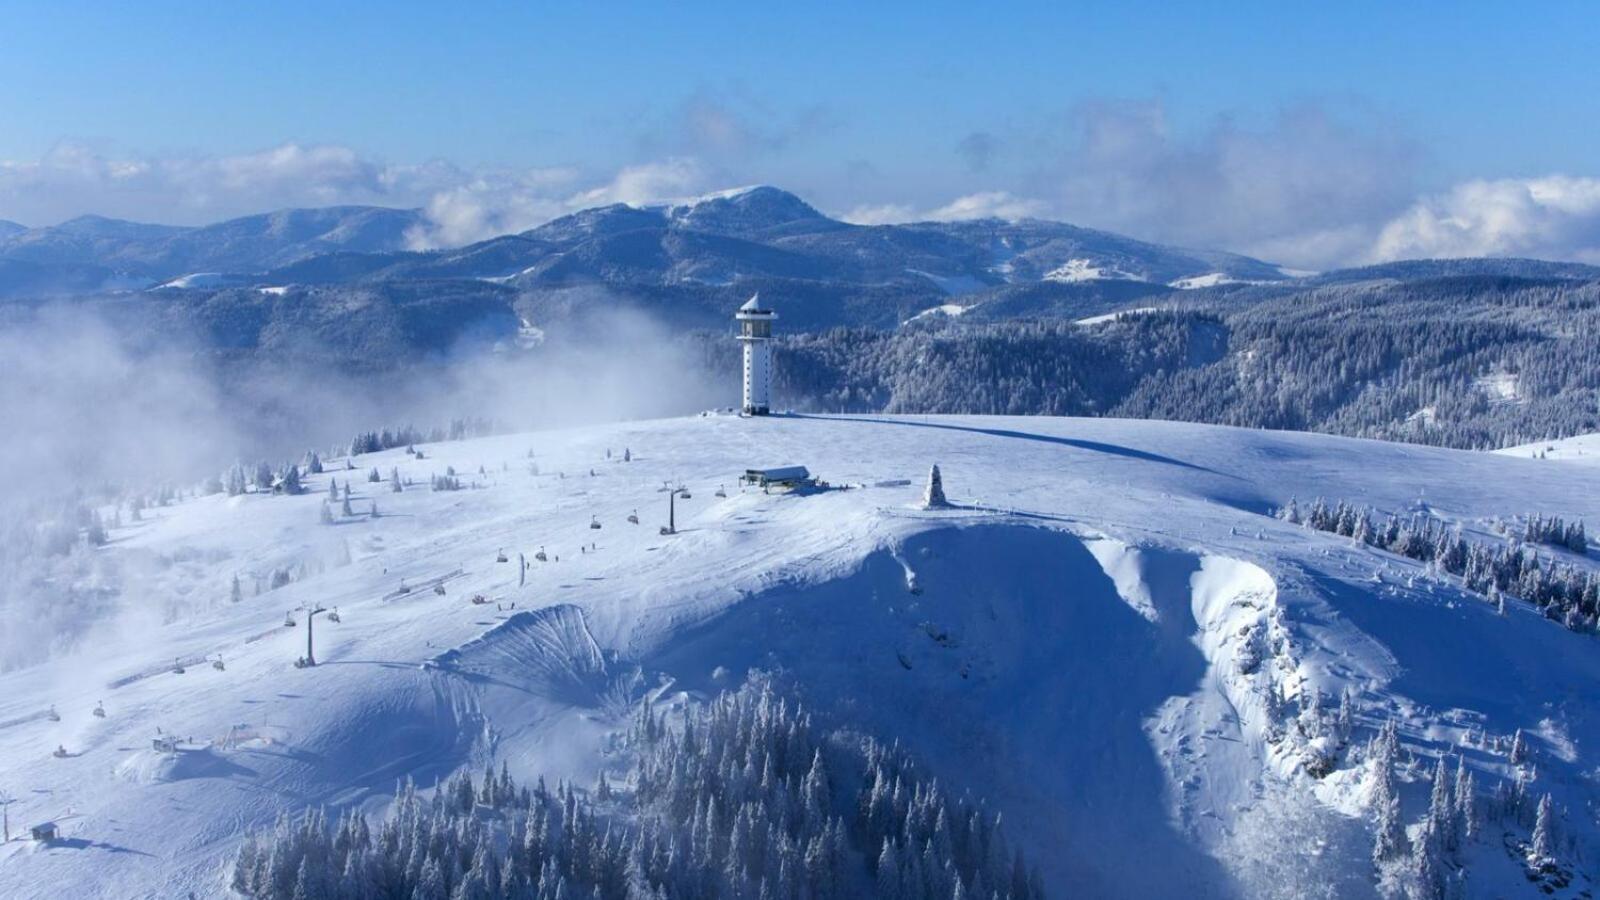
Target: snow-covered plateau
<point>1107,636</point>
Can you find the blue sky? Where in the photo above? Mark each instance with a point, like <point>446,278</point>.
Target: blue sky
<point>1130,116</point>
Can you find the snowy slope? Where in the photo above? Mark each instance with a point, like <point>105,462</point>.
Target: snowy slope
<point>1582,448</point>
<point>1084,640</point>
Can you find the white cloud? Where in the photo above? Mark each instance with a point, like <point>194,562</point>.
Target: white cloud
<point>880,214</point>
<point>72,179</point>
<point>486,204</point>
<point>987,205</point>
<point>462,204</point>
<point>647,183</point>
<point>1305,188</point>
<point>981,205</point>
<point>1553,217</point>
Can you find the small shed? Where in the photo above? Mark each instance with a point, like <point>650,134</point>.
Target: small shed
<point>45,831</point>
<point>789,477</point>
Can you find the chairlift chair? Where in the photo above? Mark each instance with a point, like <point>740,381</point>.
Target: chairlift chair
<point>634,517</point>
<point>721,492</point>
<point>217,664</point>
<point>100,710</point>
<point>540,555</point>
<point>334,615</point>
<point>500,557</point>
<point>177,667</point>
<point>52,714</point>
<point>288,620</point>
<point>439,589</point>
<point>594,522</point>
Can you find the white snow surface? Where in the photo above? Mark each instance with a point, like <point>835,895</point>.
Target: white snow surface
<point>1075,270</point>
<point>1075,651</point>
<point>198,280</point>
<point>1112,316</point>
<point>1583,448</point>
<point>948,310</point>
<point>1210,279</point>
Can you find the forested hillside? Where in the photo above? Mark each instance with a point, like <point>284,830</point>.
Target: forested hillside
<point>1462,362</point>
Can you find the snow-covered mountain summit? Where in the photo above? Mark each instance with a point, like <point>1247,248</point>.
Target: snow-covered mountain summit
<point>1107,637</point>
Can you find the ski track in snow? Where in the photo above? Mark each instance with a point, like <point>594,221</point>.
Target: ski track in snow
<point>1071,649</point>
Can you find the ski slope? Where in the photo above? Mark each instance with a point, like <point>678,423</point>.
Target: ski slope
<point>1077,640</point>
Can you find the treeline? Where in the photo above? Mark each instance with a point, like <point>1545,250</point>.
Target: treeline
<point>389,438</point>
<point>744,797</point>
<point>1557,533</point>
<point>1566,593</point>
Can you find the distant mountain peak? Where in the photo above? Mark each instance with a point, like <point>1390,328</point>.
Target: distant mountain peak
<point>747,211</point>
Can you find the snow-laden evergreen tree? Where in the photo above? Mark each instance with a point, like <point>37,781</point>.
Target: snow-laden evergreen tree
<point>235,592</point>
<point>1442,807</point>
<point>1542,849</point>
<point>737,798</point>
<point>373,476</point>
<point>1519,749</point>
<point>1429,872</point>
<point>1389,833</point>
<point>1466,802</point>
<point>933,495</point>
<point>95,531</point>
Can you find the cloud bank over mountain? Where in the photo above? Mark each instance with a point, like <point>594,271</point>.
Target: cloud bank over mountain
<point>1306,188</point>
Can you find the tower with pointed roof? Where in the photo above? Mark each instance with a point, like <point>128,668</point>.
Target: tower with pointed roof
<point>755,334</point>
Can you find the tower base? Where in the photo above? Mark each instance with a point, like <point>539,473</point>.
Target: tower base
<point>756,411</point>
